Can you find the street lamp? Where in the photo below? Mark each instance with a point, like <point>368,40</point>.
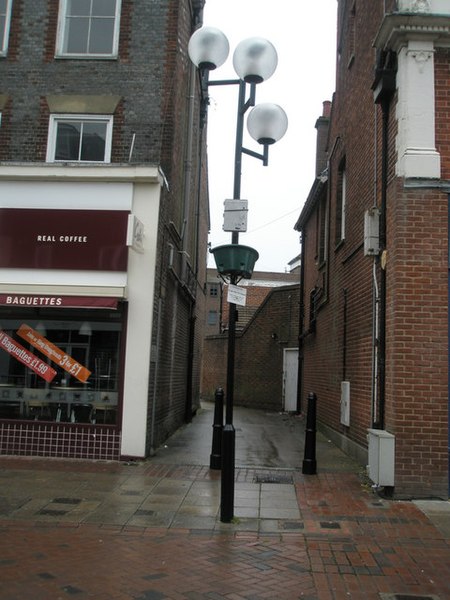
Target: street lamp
<point>254,60</point>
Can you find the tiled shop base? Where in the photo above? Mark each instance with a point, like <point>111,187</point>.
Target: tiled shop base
<point>59,440</point>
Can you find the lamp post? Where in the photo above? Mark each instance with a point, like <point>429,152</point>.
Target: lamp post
<point>254,60</point>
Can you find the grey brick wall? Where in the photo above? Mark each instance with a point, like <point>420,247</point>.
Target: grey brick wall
<point>30,73</point>
<point>151,79</point>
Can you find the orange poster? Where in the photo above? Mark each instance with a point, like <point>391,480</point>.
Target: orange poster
<point>27,358</point>
<point>54,353</point>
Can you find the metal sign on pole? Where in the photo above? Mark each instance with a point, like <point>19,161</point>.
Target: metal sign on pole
<point>237,295</point>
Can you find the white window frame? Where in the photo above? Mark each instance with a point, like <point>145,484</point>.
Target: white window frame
<point>60,37</point>
<point>4,46</point>
<point>59,118</point>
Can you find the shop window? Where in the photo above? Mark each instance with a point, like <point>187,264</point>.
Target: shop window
<point>79,138</point>
<point>88,28</point>
<point>5,17</point>
<point>59,368</point>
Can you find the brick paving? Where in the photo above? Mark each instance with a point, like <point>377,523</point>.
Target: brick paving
<point>82,530</point>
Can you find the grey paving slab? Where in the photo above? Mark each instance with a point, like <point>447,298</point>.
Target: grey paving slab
<point>268,445</point>
<point>250,512</point>
<point>438,511</point>
<point>279,513</point>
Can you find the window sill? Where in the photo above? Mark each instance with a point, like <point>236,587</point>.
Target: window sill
<point>86,56</point>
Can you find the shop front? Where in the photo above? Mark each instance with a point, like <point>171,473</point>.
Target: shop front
<point>73,308</point>
<point>59,364</point>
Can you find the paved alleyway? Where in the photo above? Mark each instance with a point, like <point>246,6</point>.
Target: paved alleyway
<point>150,530</point>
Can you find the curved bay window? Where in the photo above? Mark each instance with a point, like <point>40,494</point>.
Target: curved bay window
<point>60,365</point>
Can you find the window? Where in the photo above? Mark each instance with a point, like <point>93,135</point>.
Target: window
<point>79,138</point>
<point>88,28</point>
<point>214,290</point>
<point>322,218</point>
<point>341,192</point>
<point>5,16</point>
<point>212,317</point>
<point>351,35</point>
<point>313,294</point>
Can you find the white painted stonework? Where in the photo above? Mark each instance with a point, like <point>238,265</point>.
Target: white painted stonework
<point>417,155</point>
<point>438,7</point>
<point>141,288</point>
<point>415,31</point>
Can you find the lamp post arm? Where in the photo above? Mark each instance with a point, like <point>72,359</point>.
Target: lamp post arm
<point>224,82</point>
<point>264,157</point>
<point>251,99</point>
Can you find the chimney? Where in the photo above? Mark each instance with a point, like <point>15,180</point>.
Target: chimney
<point>322,125</point>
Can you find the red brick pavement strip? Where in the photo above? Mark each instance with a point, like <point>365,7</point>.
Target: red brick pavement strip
<point>50,562</point>
<point>351,546</point>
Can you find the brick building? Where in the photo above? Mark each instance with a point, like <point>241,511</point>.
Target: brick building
<point>266,360</point>
<point>257,288</point>
<point>103,226</point>
<point>374,305</point>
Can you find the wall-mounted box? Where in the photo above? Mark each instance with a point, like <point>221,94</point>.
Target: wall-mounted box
<point>381,467</point>
<point>345,403</point>
<point>235,215</point>
<point>372,232</point>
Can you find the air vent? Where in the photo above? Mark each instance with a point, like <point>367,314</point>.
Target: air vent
<point>273,479</point>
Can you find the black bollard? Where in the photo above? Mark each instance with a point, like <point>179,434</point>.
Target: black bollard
<point>309,462</point>
<point>227,481</point>
<point>215,460</point>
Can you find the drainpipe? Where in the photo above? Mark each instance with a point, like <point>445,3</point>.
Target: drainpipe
<point>301,322</point>
<point>185,240</point>
<point>197,19</point>
<point>384,88</point>
<point>379,424</point>
<point>344,335</point>
<point>156,376</point>
<point>448,369</point>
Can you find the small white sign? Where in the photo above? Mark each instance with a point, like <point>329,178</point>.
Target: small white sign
<point>135,234</point>
<point>237,295</point>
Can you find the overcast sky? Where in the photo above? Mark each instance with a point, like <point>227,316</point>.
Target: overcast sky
<point>304,35</point>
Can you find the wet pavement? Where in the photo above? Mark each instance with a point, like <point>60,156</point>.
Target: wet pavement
<point>150,530</point>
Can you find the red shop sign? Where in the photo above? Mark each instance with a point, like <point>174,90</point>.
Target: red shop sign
<point>33,238</point>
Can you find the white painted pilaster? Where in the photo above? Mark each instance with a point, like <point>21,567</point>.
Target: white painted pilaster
<point>417,154</point>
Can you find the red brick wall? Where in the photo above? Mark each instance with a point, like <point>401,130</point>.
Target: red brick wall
<point>416,398</point>
<point>442,98</point>
<point>259,353</point>
<point>417,342</point>
<point>255,297</point>
<point>347,273</point>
